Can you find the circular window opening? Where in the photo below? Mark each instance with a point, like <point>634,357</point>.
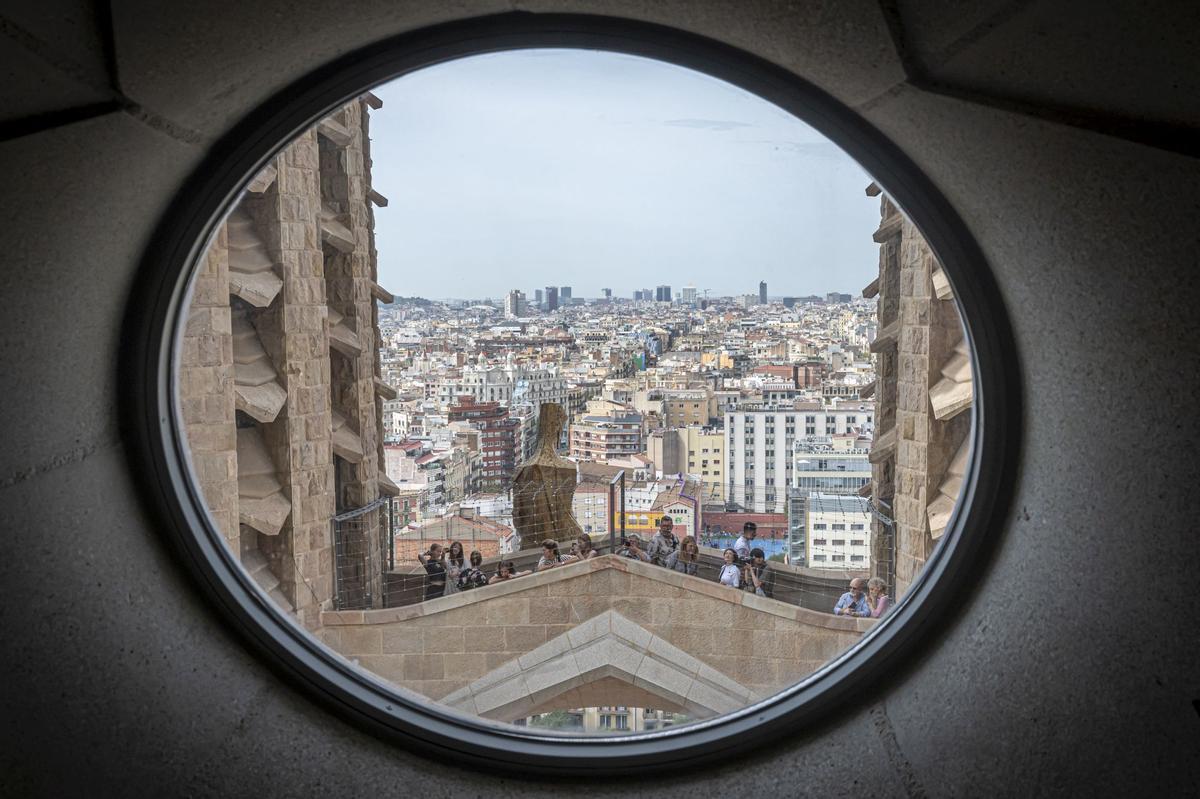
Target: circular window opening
<point>667,432</point>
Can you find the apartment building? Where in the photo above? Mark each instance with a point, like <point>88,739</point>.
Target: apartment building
<point>604,437</point>
<point>838,532</point>
<point>759,438</point>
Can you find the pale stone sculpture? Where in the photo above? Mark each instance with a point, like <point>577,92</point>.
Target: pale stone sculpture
<point>544,486</point>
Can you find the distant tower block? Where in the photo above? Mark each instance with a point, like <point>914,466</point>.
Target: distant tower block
<point>544,486</point>
<point>762,292</point>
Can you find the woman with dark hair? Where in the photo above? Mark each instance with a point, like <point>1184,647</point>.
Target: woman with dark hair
<point>434,562</point>
<point>455,562</point>
<point>473,576</point>
<point>506,571</point>
<point>731,573</point>
<point>685,559</point>
<point>550,557</point>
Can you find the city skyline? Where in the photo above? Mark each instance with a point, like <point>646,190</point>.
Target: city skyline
<point>598,170</point>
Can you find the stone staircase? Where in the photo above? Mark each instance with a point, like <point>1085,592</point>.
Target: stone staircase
<point>259,569</point>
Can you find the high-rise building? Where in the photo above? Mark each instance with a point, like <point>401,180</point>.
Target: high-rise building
<point>514,304</point>
<point>564,295</point>
<point>551,298</point>
<point>539,299</point>
<point>762,292</point>
<point>662,294</point>
<point>836,297</point>
<point>688,295</point>
<point>607,293</point>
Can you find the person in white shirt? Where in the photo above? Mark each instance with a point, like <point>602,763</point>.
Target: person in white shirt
<point>745,541</point>
<point>731,573</point>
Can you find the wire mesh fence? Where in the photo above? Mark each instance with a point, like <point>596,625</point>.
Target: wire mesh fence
<point>816,546</point>
<point>361,541</point>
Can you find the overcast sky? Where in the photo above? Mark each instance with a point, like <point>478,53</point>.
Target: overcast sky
<point>592,169</point>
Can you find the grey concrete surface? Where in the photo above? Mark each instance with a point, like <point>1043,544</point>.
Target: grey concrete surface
<point>1070,670</point>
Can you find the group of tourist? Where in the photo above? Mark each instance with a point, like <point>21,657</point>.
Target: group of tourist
<point>448,572</point>
<point>744,567</point>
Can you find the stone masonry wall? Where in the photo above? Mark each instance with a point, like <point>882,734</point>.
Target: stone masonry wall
<point>285,204</point>
<point>206,389</point>
<point>913,451</point>
<point>439,646</point>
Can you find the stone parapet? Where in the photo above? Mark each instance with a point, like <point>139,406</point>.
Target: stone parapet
<point>441,646</point>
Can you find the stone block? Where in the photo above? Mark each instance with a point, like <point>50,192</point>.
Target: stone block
<point>773,644</point>
<point>524,637</point>
<point>483,639</point>
<point>501,694</point>
<point>623,658</point>
<point>464,666</point>
<point>442,640</point>
<point>593,628</point>
<point>628,629</point>
<point>389,667</point>
<point>552,677</point>
<point>586,607</point>
<point>548,610</point>
<point>636,609</point>
<point>361,641</point>
<point>594,657</point>
<point>423,667</point>
<point>508,611</point>
<point>403,640</point>
<point>553,648</point>
<point>663,677</point>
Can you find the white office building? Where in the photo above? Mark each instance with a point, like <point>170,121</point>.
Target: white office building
<point>759,439</point>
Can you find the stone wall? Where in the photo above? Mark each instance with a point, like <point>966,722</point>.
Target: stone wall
<point>206,389</point>
<point>290,276</point>
<point>922,389</point>
<point>444,645</point>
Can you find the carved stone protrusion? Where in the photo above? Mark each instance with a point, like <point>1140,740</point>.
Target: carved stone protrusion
<point>544,486</point>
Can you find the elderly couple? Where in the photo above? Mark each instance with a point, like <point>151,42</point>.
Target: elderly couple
<point>855,603</point>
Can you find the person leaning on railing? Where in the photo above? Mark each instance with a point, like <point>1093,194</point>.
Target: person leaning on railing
<point>435,570</point>
<point>663,544</point>
<point>473,576</point>
<point>550,557</point>
<point>853,602</point>
<point>506,571</point>
<point>686,559</point>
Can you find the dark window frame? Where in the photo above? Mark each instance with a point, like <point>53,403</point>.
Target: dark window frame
<point>158,451</point>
